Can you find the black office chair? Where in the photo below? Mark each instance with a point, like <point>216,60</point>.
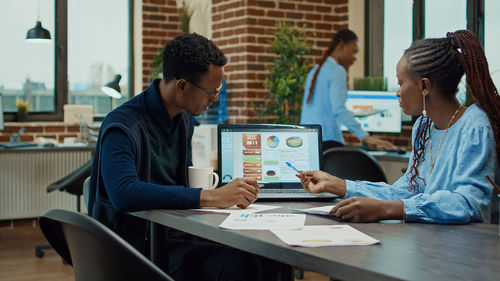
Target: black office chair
<point>352,163</point>
<point>73,184</point>
<point>94,251</point>
<point>86,190</point>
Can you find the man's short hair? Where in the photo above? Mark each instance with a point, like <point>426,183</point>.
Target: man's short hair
<point>188,56</point>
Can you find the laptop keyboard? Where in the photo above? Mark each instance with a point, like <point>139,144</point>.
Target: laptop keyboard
<point>279,190</point>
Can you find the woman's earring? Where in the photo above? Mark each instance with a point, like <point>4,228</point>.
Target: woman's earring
<point>424,112</point>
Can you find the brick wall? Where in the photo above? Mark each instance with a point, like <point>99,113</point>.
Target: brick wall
<point>32,130</point>
<point>160,23</point>
<point>243,29</point>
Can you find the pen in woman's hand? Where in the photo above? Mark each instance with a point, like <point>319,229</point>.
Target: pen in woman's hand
<point>295,169</point>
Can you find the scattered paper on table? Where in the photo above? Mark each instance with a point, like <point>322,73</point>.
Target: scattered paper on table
<point>263,221</point>
<point>324,235</point>
<point>253,208</point>
<point>323,210</point>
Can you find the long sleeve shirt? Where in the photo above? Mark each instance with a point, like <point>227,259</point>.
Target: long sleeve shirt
<point>327,106</point>
<point>457,190</point>
<point>140,162</point>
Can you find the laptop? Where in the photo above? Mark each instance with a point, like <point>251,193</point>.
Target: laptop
<point>262,150</point>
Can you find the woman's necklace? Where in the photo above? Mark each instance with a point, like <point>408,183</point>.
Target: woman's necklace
<point>433,161</point>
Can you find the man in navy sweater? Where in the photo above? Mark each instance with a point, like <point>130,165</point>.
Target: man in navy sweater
<point>141,160</point>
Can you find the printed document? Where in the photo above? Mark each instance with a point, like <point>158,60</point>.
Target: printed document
<point>323,210</point>
<point>253,208</point>
<point>263,221</point>
<point>324,235</point>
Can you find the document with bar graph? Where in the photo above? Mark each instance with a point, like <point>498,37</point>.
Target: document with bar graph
<point>264,221</point>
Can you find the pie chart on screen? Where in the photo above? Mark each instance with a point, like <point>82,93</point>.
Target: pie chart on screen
<point>272,141</point>
<point>294,141</point>
<point>271,173</point>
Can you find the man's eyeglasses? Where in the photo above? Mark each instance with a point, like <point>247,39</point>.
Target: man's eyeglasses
<point>213,93</point>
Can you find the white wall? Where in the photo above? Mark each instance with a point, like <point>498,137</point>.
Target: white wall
<point>201,20</point>
<point>137,47</point>
<point>357,24</point>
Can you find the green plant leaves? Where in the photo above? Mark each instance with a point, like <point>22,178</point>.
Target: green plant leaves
<point>286,75</point>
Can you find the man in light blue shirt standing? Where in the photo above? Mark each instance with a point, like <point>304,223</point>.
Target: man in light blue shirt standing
<point>325,94</point>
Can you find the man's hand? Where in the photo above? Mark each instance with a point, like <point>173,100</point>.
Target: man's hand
<point>378,143</point>
<point>361,209</point>
<point>240,192</point>
<point>319,181</point>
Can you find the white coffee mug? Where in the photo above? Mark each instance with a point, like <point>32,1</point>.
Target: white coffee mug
<point>203,177</point>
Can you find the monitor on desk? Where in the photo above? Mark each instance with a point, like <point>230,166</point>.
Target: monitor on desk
<point>376,111</point>
<point>261,152</point>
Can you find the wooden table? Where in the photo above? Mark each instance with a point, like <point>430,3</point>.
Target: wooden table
<point>407,251</point>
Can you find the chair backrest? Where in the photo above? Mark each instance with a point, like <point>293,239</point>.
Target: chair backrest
<point>352,163</point>
<point>94,251</point>
<point>86,190</point>
<point>73,182</point>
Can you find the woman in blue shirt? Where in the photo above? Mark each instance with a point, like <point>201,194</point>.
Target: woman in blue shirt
<point>325,94</point>
<point>454,147</point>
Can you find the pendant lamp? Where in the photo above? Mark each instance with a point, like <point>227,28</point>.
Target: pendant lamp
<point>38,33</point>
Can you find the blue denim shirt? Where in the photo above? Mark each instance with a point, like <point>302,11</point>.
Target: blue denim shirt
<point>457,190</point>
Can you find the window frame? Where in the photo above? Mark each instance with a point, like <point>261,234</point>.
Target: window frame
<point>61,64</point>
<point>374,13</point>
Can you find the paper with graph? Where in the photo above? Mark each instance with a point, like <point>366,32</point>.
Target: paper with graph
<point>263,221</point>
<point>324,235</point>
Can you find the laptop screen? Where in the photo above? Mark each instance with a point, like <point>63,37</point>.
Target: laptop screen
<point>261,152</point>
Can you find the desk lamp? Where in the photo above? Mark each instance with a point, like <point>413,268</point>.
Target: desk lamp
<point>112,88</point>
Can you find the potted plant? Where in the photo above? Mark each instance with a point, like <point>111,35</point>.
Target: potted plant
<point>286,76</point>
<point>370,84</point>
<point>23,107</point>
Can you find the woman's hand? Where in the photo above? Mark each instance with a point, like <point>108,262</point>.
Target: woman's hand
<point>319,181</point>
<point>378,143</point>
<point>361,209</point>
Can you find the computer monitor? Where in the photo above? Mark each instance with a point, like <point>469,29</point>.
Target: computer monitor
<point>376,111</point>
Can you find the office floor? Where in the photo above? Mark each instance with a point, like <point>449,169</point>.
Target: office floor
<point>18,261</point>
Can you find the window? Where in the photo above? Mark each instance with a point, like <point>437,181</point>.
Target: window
<point>397,37</point>
<point>27,69</point>
<point>443,16</point>
<point>90,44</point>
<point>491,38</point>
<point>406,21</point>
<point>97,51</point>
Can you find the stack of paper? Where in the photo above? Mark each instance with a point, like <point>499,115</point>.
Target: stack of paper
<point>324,235</point>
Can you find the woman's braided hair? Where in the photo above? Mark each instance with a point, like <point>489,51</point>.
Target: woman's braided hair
<point>443,61</point>
<point>344,35</point>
